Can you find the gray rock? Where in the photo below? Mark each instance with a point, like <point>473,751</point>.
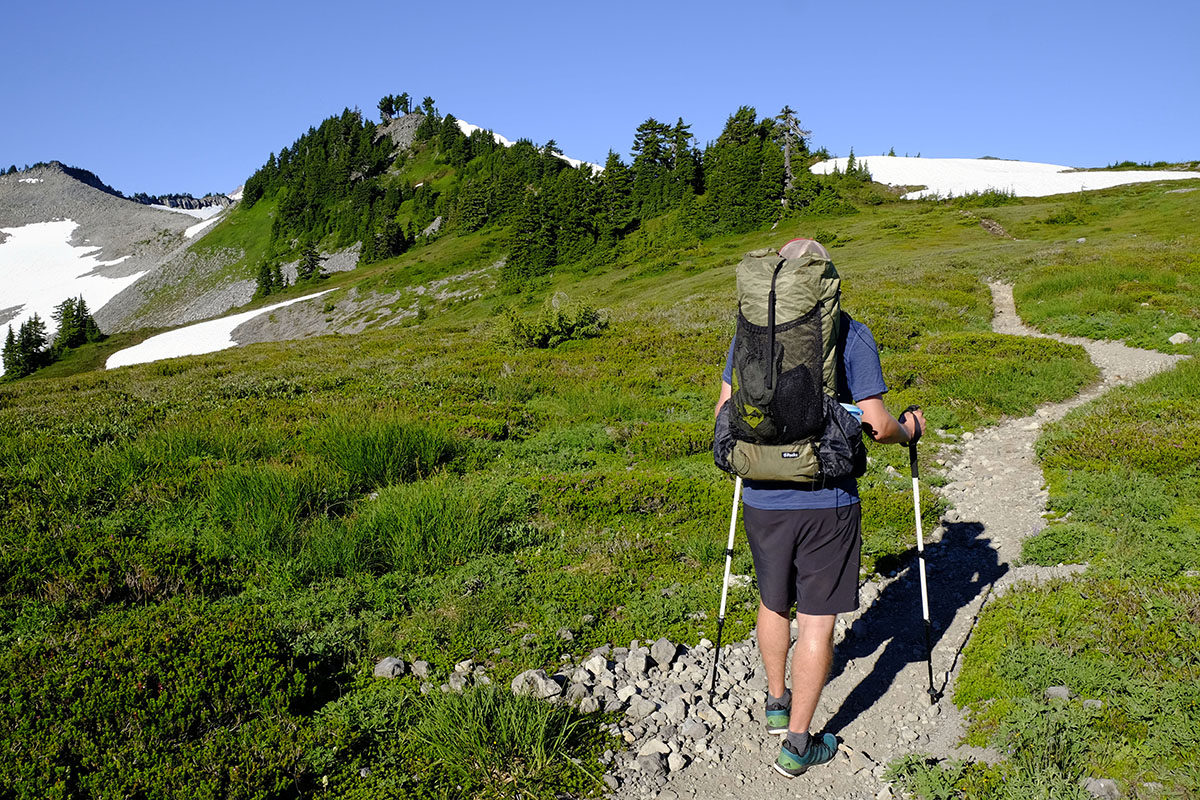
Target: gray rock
<point>693,729</point>
<point>663,652</point>
<point>457,682</point>
<point>640,708</point>
<point>626,692</point>
<point>708,714</point>
<point>1058,693</point>
<point>653,766</point>
<point>638,662</point>
<point>565,634</point>
<point>1180,338</point>
<point>536,683</point>
<point>653,746</point>
<point>1102,788</point>
<point>589,705</point>
<point>597,665</point>
<point>576,692</point>
<point>675,762</point>
<point>420,669</point>
<point>1092,702</point>
<point>676,710</point>
<point>390,667</point>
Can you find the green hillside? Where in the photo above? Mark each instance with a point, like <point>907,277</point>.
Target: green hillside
<point>203,558</point>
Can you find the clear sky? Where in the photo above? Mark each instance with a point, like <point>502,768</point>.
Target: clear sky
<point>192,97</point>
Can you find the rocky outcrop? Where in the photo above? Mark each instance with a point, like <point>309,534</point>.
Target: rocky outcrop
<point>401,129</point>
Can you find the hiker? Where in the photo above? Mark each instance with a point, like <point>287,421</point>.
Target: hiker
<point>806,540</point>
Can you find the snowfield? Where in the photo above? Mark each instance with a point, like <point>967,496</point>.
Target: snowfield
<point>39,268</point>
<point>943,177</point>
<point>193,340</point>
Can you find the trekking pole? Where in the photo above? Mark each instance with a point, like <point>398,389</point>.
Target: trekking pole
<point>737,496</point>
<point>912,463</point>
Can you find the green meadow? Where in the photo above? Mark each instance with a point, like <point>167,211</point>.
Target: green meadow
<point>203,558</point>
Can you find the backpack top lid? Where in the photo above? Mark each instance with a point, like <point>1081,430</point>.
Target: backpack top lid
<point>805,247</point>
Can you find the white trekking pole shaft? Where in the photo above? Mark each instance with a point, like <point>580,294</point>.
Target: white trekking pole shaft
<point>912,463</point>
<point>737,496</point>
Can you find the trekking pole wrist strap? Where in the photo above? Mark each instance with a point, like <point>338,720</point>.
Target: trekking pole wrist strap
<point>916,434</point>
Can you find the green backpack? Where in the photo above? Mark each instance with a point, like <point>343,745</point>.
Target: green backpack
<point>784,421</point>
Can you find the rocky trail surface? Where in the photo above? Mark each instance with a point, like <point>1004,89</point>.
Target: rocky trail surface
<point>682,743</point>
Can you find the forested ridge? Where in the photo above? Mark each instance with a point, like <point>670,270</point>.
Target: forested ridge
<point>346,181</point>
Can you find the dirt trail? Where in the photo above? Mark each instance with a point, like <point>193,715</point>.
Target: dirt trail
<point>876,700</point>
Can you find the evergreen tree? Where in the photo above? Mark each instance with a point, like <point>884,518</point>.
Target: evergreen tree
<point>531,246</point>
<point>387,108</point>
<point>28,351</point>
<point>615,207</point>
<point>404,103</point>
<point>10,354</point>
<point>309,267</point>
<point>794,141</point>
<point>651,166</point>
<point>427,107</point>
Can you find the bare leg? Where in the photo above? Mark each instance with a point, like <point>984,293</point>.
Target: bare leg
<point>774,639</point>
<point>810,665</point>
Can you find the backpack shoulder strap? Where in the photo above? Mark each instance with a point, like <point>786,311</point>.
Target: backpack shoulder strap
<point>843,385</point>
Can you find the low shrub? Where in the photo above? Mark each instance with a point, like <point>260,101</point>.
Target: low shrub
<point>187,699</point>
<point>560,320</point>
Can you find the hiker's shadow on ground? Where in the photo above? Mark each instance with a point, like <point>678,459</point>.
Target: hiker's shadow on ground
<point>960,567</point>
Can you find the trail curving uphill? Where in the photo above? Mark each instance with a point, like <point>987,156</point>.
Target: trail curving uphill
<point>876,700</point>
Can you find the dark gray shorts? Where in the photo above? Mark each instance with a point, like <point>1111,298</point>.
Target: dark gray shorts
<point>806,557</point>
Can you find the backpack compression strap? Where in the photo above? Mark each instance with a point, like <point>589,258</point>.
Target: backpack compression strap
<point>771,326</point>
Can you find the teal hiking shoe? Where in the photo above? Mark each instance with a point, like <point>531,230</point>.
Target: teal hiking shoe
<point>821,750</point>
<point>779,713</point>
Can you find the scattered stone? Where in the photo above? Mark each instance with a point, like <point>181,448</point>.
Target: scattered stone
<point>1180,338</point>
<point>663,652</point>
<point>1092,702</point>
<point>390,667</point>
<point>693,729</point>
<point>640,708</point>
<point>1101,788</point>
<point>651,765</point>
<point>535,682</point>
<point>675,762</point>
<point>457,682</point>
<point>1058,693</point>
<point>589,705</point>
<point>565,634</point>
<point>654,746</point>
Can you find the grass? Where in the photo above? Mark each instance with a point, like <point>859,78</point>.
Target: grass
<point>423,491</point>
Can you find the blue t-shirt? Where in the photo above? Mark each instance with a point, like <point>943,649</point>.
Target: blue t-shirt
<point>864,377</point>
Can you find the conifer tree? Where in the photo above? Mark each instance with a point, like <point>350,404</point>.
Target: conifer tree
<point>10,354</point>
<point>615,207</point>
<point>309,267</point>
<point>387,108</point>
<point>794,141</point>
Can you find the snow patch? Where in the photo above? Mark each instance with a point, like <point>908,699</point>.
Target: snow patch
<point>467,129</point>
<point>199,226</point>
<point>203,337</point>
<point>39,268</point>
<point>959,176</point>
<point>198,213</point>
<point>29,180</point>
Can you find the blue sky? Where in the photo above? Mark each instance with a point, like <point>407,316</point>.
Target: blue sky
<point>172,97</point>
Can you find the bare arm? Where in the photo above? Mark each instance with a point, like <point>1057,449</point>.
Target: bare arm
<point>726,393</point>
<point>881,426</point>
